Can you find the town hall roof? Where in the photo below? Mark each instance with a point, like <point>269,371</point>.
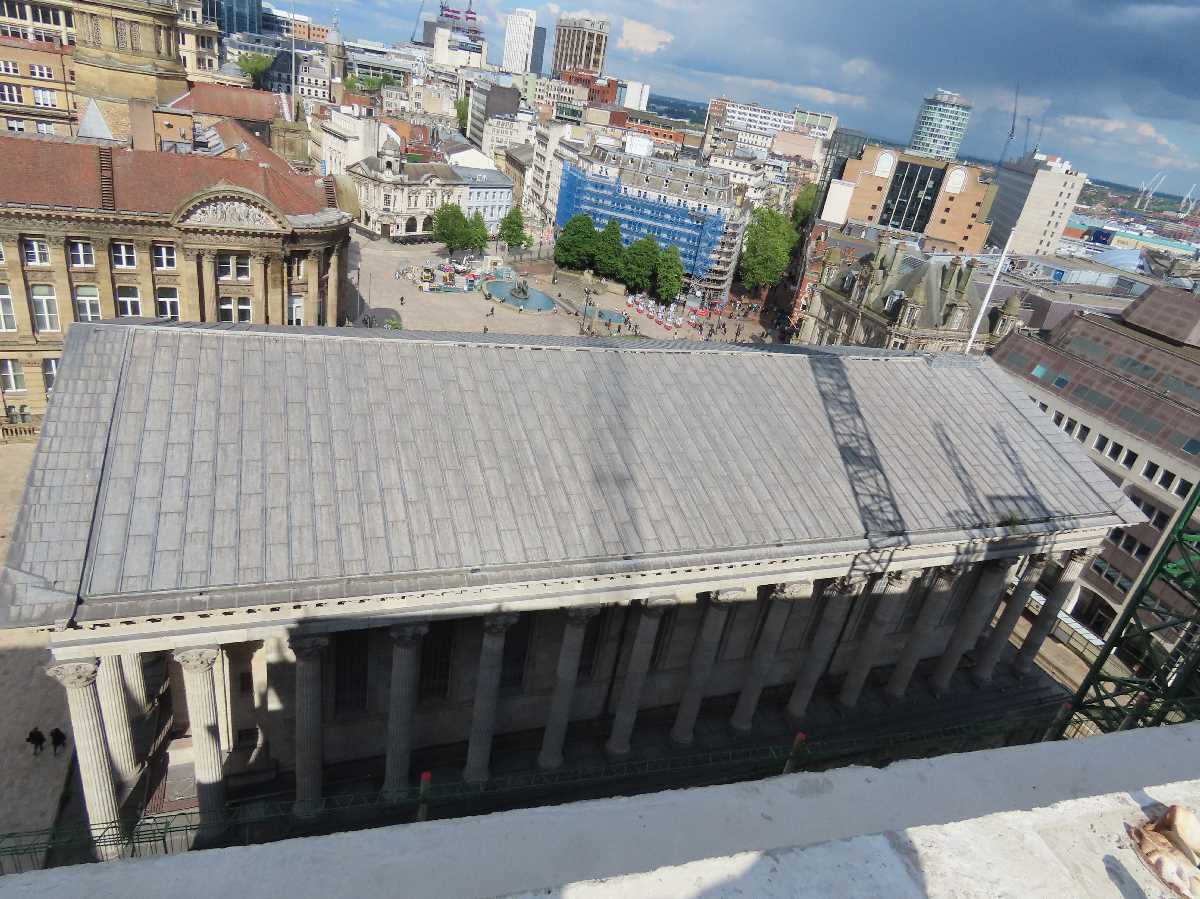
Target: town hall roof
<point>198,467</point>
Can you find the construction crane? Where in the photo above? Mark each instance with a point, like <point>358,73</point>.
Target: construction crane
<point>1041,130</point>
<point>1012,129</point>
<point>417,24</point>
<point>1149,190</point>
<point>1188,203</point>
<point>1140,677</point>
<point>1025,146</point>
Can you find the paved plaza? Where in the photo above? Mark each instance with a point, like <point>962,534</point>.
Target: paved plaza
<point>30,786</point>
<point>373,264</point>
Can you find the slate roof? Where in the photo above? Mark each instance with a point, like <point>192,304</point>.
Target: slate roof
<point>192,467</point>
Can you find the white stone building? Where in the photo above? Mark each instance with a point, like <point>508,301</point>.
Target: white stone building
<point>503,131</point>
<point>398,198</point>
<point>1035,197</point>
<point>489,192</point>
<point>518,40</point>
<point>354,546</point>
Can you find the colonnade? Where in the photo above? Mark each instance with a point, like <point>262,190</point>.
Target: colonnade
<point>104,692</point>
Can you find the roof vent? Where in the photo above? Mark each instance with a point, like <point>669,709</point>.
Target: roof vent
<point>108,198</point>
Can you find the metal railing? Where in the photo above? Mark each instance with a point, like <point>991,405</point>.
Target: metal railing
<point>273,818</point>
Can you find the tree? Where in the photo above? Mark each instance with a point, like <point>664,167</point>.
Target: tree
<point>610,252</point>
<point>477,233</point>
<point>461,107</point>
<point>512,229</point>
<point>770,239</point>
<point>805,206</point>
<point>255,66</point>
<point>668,276</point>
<point>576,246</point>
<point>641,260</point>
<point>450,227</point>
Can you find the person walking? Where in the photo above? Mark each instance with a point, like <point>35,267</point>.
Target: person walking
<point>57,739</point>
<point>37,739</point>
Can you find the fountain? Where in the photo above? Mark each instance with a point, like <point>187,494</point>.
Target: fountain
<point>519,294</point>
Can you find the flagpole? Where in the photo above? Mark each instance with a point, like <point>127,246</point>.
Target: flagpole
<point>987,298</point>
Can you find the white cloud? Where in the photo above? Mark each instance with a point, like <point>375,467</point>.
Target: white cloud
<point>859,68</point>
<point>743,87</point>
<point>641,37</point>
<point>553,8</point>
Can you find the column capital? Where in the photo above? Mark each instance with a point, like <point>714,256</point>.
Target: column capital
<point>847,586</point>
<point>952,572</point>
<point>408,633</point>
<point>200,658</point>
<point>903,578</point>
<point>498,624</point>
<point>731,595</point>
<point>1081,556</point>
<point>582,614</point>
<point>308,646</point>
<point>793,590</point>
<point>74,675</point>
<point>654,606</point>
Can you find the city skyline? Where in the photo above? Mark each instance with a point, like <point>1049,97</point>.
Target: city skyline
<point>1104,78</point>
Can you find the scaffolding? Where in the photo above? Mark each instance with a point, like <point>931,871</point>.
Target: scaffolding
<point>1146,673</point>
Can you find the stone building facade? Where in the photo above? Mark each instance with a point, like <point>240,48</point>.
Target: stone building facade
<point>349,547</point>
<point>398,198</point>
<point>893,299</point>
<point>36,87</point>
<point>124,233</point>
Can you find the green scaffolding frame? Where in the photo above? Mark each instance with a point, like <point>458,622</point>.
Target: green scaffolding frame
<point>1135,681</point>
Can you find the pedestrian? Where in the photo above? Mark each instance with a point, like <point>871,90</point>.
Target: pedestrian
<point>402,301</point>
<point>37,739</point>
<point>485,329</point>
<point>57,739</point>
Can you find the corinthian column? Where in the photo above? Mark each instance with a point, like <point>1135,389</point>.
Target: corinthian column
<point>1066,588</point>
<point>199,687</point>
<point>888,607</point>
<point>839,597</point>
<point>114,709</point>
<point>972,620</point>
<point>99,791</point>
<point>135,682</point>
<point>565,675</point>
<point>993,647</point>
<point>487,695</point>
<point>402,703</point>
<point>635,675</point>
<point>309,750</point>
<point>703,658</point>
<point>938,597</point>
<point>764,650</point>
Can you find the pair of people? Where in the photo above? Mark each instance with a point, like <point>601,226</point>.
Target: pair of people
<point>37,739</point>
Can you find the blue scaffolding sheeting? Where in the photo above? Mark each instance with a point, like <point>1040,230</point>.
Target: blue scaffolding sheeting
<point>695,234</point>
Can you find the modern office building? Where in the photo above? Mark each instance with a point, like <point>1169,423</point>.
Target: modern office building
<point>237,16</point>
<point>940,125</point>
<point>486,100</point>
<point>580,44</point>
<point>680,204</point>
<point>1127,388</point>
<point>369,549</point>
<point>1035,197</point>
<point>519,32</point>
<point>946,204</point>
<point>818,124</point>
<point>537,54</point>
<point>633,94</point>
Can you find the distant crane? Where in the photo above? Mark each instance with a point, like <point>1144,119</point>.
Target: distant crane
<point>1025,146</point>
<point>1188,203</point>
<point>417,24</point>
<point>1012,130</point>
<point>1149,190</point>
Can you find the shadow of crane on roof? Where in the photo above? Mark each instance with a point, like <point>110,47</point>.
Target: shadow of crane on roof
<point>883,524</point>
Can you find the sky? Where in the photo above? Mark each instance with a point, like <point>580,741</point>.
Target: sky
<point>1114,83</point>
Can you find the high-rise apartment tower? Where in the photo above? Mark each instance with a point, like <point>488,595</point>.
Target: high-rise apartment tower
<point>518,40</point>
<point>940,126</point>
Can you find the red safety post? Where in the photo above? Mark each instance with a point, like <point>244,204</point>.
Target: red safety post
<point>423,807</point>
<point>797,750</point>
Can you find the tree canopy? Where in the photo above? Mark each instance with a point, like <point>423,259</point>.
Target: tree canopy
<point>255,66</point>
<point>641,260</point>
<point>576,246</point>
<point>512,229</point>
<point>477,233</point>
<point>450,226</point>
<point>460,108</point>
<point>668,276</point>
<point>610,252</point>
<point>770,239</point>
<point>805,206</point>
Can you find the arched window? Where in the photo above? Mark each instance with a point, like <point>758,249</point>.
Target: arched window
<point>428,225</point>
<point>410,227</point>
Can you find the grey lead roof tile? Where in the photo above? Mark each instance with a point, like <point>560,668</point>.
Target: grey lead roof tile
<point>250,458</point>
